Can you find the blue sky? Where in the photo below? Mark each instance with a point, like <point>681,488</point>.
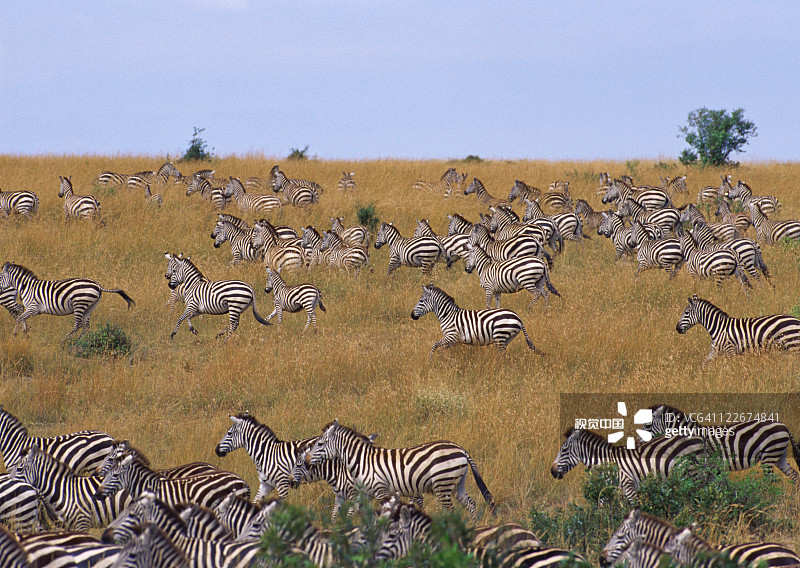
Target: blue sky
<point>361,80</point>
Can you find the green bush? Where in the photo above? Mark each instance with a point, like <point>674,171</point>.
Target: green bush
<point>367,216</point>
<point>472,158</point>
<point>107,340</point>
<point>297,154</point>
<point>198,148</point>
<point>713,135</point>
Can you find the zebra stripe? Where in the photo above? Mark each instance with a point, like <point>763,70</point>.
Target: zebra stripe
<point>210,189</point>
<point>674,185</point>
<point>151,548</point>
<point>636,526</point>
<point>436,467</point>
<point>8,299</point>
<point>477,187</point>
<point>455,246</point>
<point>721,231</point>
<point>591,218</point>
<point>237,514</point>
<point>123,448</point>
<point>415,252</point>
<point>741,220</point>
<point>772,232</point>
<point>19,202</point>
<point>346,257</point>
<point>241,241</point>
<point>770,206</point>
<point>347,183</point>
<point>651,198</point>
<point>248,202</point>
<point>202,296</point>
<point>12,552</point>
<point>451,180</point>
<point>292,299</point>
<point>78,296</point>
<point>549,223</point>
<point>279,253</point>
<point>640,554</point>
<point>523,191</point>
<point>667,217</point>
<point>142,180</point>
<point>747,249</point>
<point>296,192</point>
<point>509,276</point>
<point>312,243</point>
<point>613,227</point>
<point>458,225</point>
<point>652,253</point>
<point>19,505</point>
<point>352,236</point>
<point>689,549</point>
<point>505,224</point>
<point>521,245</point>
<point>111,178</point>
<point>716,264</point>
<point>77,206</point>
<point>557,200</point>
<point>657,457</point>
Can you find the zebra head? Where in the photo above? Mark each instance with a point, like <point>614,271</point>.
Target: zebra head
<point>473,186</point>
<point>273,279</point>
<point>117,453</point>
<point>150,547</point>
<point>115,479</point>
<point>326,446</point>
<point>405,524</point>
<point>471,262</point>
<point>425,303</point>
<point>423,228</point>
<point>612,193</point>
<point>5,277</point>
<point>383,234</point>
<point>29,467</point>
<point>234,438</point>
<point>65,186</point>
<point>691,315</point>
<point>685,546</point>
<point>570,454</point>
<point>139,511</point>
<point>218,234</point>
<point>622,538</point>
<point>300,472</point>
<point>664,418</point>
<point>260,522</point>
<point>175,273</point>
<point>14,555</point>
<point>328,238</point>
<point>276,178</point>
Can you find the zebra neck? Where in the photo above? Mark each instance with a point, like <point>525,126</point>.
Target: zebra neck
<point>13,438</point>
<point>142,479</point>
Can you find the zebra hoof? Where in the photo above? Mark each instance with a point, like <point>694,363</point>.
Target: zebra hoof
<point>193,330</point>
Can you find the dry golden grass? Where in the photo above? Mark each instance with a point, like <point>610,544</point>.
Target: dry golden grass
<point>368,364</point>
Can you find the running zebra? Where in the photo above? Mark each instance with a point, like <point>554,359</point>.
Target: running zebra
<point>770,206</point>
<point>439,467</point>
<point>279,253</point>
<point>77,206</point>
<point>250,202</point>
<point>81,451</point>
<point>737,335</point>
<point>721,231</point>
<point>773,232</point>
<point>352,236</point>
<point>523,191</point>
<point>273,458</point>
<point>656,253</point>
<point>78,296</point>
<point>202,296</point>
<point>415,252</point>
<point>141,180</point>
<point>505,224</point>
<point>657,457</point>
<point>613,227</point>
<point>591,218</point>
<point>477,187</point>
<point>241,241</point>
<point>347,183</point>
<point>343,256</point>
<point>470,327</point>
<point>650,199</point>
<point>509,276</point>
<point>667,217</point>
<point>24,203</point>
<point>569,226</point>
<point>725,214</point>
<point>535,216</point>
<point>450,181</point>
<point>716,264</point>
<point>455,245</point>
<point>292,299</point>
<point>520,245</point>
<point>748,250</point>
<point>297,192</point>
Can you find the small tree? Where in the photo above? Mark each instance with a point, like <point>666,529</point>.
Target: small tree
<point>198,148</point>
<point>714,134</point>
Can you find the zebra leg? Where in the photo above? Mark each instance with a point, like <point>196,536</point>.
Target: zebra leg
<point>446,342</point>
<point>394,262</point>
<point>489,294</point>
<point>188,313</point>
<point>497,299</point>
<point>233,323</point>
<point>311,318</point>
<point>788,470</point>
<point>463,497</point>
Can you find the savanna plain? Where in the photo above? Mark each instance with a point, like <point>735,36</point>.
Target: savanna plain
<point>367,364</point>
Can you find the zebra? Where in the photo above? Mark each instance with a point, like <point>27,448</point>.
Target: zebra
<point>292,299</point>
<point>657,457</point>
<point>347,183</point>
<point>688,549</point>
<point>296,192</point>
<point>123,448</point>
<point>8,299</point>
<point>20,506</point>
<point>279,253</point>
<point>450,180</point>
<point>312,243</point>
<point>613,227</point>
<point>77,296</point>
<point>591,218</point>
<point>237,514</point>
<point>352,236</point>
<point>523,191</point>
<point>509,276</point>
<point>737,335</point>
<point>12,552</point>
<point>210,189</point>
<point>342,255</point>
<point>436,467</point>
<point>477,187</point>
<point>24,203</point>
<point>71,498</point>
<point>248,202</point>
<point>152,199</point>
<point>455,246</point>
<point>134,477</point>
<point>535,216</point>
<point>273,457</point>
<point>772,232</point>
<point>68,549</point>
<point>202,296</point>
<point>77,206</point>
<point>748,250</point>
<point>725,214</point>
<point>568,225</point>
<point>470,327</point>
<point>415,252</point>
<point>558,199</point>
<point>241,241</point>
<point>667,217</point>
<point>721,231</point>
<point>151,548</point>
<point>142,180</point>
<point>520,245</point>
<point>505,224</point>
<point>656,253</point>
<point>716,264</point>
<point>651,199</point>
<point>769,205</point>
<point>747,442</point>
<point>114,179</point>
<point>674,185</point>
<point>457,225</point>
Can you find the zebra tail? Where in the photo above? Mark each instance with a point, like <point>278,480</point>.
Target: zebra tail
<point>795,449</point>
<point>760,264</point>
<point>548,259</point>
<point>258,317</point>
<point>552,288</point>
<point>482,486</point>
<point>321,307</point>
<point>122,293</point>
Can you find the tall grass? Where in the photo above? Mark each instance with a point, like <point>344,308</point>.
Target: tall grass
<point>368,364</point>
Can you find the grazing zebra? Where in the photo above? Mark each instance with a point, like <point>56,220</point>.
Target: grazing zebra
<point>142,180</point>
<point>20,202</point>
<point>296,192</point>
<point>613,227</point>
<point>273,458</point>
<point>523,191</point>
<point>688,549</point>
<point>77,206</point>
<point>770,206</point>
<point>509,276</point>
<point>725,214</point>
<point>656,253</point>
<point>772,232</point>
<point>415,252</point>
<point>737,335</point>
<point>279,253</point>
<point>20,506</point>
<point>438,467</point>
<point>78,296</point>
<point>347,183</point>
<point>470,327</point>
<point>716,264</point>
<point>674,185</point>
<point>455,246</point>
<point>352,236</point>
<point>721,231</point>
<point>748,250</point>
<point>151,548</point>
<point>450,180</point>
<point>70,497</point>
<point>477,187</point>
<point>657,457</point>
<point>292,299</point>
<point>651,199</point>
<point>249,202</point>
<point>521,245</point>
<point>134,477</point>
<point>591,218</point>
<point>241,241</point>
<point>123,448</point>
<point>343,256</point>
<point>202,296</point>
<point>667,217</point>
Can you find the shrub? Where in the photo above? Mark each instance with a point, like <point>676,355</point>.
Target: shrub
<point>198,148</point>
<point>106,340</point>
<point>714,135</point>
<point>367,216</point>
<point>472,158</point>
<point>297,154</point>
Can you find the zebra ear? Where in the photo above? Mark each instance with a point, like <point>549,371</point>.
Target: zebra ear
<point>166,255</point>
<point>372,438</point>
<point>694,298</point>
<point>235,419</point>
<point>128,459</point>
<point>683,536</point>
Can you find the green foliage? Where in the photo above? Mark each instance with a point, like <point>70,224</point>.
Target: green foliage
<point>287,525</point>
<point>198,148</point>
<point>714,135</point>
<point>297,154</point>
<point>472,158</point>
<point>445,547</point>
<point>107,340</point>
<point>633,167</point>
<point>666,166</point>
<point>367,216</point>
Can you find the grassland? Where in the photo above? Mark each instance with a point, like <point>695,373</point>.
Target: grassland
<point>368,363</point>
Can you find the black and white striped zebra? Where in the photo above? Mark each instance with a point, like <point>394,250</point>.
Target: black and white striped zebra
<point>123,448</point>
<point>273,458</point>
<point>505,224</point>
<point>8,299</point>
<point>210,189</point>
<point>77,296</point>
<point>657,457</point>
<point>721,231</point>
<point>667,217</point>
<point>770,206</point>
<point>674,185</point>
<point>77,206</point>
<point>451,180</point>
<point>439,468</point>
<point>457,224</point>
<point>476,186</point>
<point>295,192</point>
<point>241,241</point>
<point>114,179</point>
<point>737,335</point>
<point>470,327</point>
<point>520,245</point>
<point>415,252</point>
<point>292,299</point>
<point>142,180</point>
<point>716,264</point>
<point>279,253</point>
<point>343,256</point>
<point>772,232</point>
<point>312,243</point>
<point>24,203</point>
<point>347,183</point>
<point>203,296</point>
<point>352,236</point>
<point>20,507</point>
<point>747,249</point>
<point>68,549</point>
<point>688,549</point>
<point>613,227</point>
<point>509,276</point>
<point>455,245</point>
<point>250,202</point>
<point>557,198</point>
<point>523,191</point>
<point>651,198</point>
<point>591,218</point>
<point>568,225</point>
<point>151,548</point>
<point>237,514</point>
<point>740,220</point>
<point>656,253</point>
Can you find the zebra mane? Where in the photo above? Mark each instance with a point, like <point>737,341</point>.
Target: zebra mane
<point>255,423</point>
<point>352,431</point>
<point>59,466</point>
<point>703,301</point>
<point>136,453</point>
<point>20,270</point>
<point>14,422</point>
<point>584,433</point>
<point>439,293</point>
